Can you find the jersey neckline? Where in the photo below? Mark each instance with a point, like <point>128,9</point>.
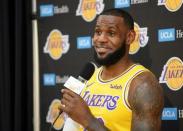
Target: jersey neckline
<point>109,80</point>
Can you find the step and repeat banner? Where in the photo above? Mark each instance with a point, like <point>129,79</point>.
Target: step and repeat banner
<point>66,27</point>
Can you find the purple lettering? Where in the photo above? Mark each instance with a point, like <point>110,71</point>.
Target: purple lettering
<point>85,94</point>
<point>99,102</point>
<point>89,6</point>
<point>171,74</point>
<point>112,104</point>
<point>86,97</point>
<point>181,74</point>
<point>164,73</point>
<point>175,73</point>
<point>107,99</point>
<point>93,100</point>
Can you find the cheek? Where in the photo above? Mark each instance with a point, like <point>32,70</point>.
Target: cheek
<point>116,42</point>
<point>94,38</point>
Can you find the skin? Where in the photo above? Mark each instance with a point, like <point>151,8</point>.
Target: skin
<point>145,94</point>
<point>146,100</point>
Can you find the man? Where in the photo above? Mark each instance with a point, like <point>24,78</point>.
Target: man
<point>121,95</point>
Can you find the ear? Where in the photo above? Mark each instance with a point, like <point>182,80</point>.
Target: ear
<point>130,37</point>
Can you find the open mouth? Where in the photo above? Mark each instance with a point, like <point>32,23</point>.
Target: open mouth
<point>101,51</point>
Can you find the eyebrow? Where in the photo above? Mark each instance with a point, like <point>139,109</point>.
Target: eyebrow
<point>109,27</point>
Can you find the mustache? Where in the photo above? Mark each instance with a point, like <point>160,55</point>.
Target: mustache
<point>101,46</point>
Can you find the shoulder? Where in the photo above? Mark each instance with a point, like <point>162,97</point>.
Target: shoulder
<point>145,93</point>
<point>145,79</point>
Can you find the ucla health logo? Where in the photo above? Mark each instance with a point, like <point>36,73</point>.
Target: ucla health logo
<point>169,34</point>
<point>84,42</point>
<point>50,10</point>
<point>88,9</point>
<point>56,44</point>
<point>139,1</point>
<point>121,3</point>
<point>126,3</point>
<point>141,39</point>
<point>49,79</point>
<point>169,114</point>
<point>166,35</point>
<point>46,10</point>
<point>171,5</point>
<point>172,74</point>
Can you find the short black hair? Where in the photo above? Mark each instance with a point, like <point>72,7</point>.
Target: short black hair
<point>121,13</point>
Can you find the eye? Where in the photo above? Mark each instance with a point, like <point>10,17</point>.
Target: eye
<point>112,33</point>
<point>98,32</point>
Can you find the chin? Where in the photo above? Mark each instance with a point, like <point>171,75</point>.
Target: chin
<point>102,56</point>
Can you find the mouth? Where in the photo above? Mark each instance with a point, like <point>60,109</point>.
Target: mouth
<point>102,50</point>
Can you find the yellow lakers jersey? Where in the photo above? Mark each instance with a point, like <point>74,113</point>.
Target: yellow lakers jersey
<point>107,99</point>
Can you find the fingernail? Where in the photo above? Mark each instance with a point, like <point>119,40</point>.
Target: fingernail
<point>62,90</point>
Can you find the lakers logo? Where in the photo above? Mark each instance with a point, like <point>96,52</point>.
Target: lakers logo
<point>171,5</point>
<point>141,39</point>
<point>52,114</point>
<point>56,44</point>
<point>88,9</point>
<point>172,74</point>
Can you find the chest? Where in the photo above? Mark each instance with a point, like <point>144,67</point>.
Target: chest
<point>104,98</point>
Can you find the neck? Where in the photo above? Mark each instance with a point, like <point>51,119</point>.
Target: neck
<point>116,69</point>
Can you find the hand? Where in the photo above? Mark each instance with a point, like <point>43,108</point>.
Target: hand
<point>76,107</point>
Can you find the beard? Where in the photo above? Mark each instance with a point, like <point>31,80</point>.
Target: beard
<point>111,58</point>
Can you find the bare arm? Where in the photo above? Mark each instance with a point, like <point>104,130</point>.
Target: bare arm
<point>146,100</point>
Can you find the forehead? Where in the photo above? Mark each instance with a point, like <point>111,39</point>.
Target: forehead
<point>110,21</point>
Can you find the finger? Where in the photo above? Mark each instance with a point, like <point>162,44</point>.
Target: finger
<point>65,108</point>
<point>67,97</point>
<point>69,92</point>
<point>65,102</point>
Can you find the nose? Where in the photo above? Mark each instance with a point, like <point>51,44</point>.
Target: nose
<point>102,38</point>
